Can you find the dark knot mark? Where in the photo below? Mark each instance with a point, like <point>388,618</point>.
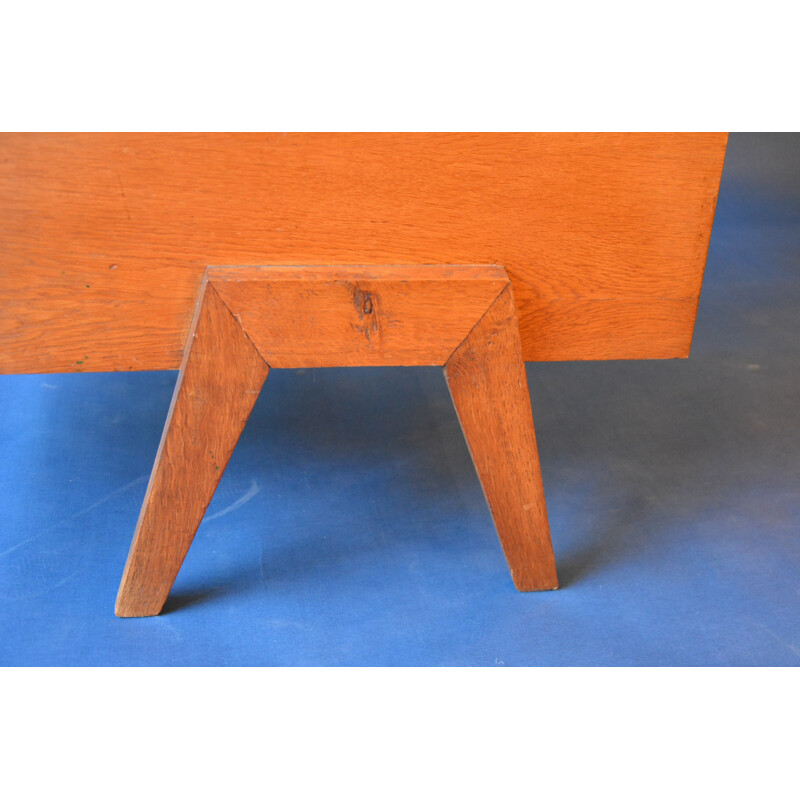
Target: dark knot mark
<point>363,302</point>
<point>365,307</point>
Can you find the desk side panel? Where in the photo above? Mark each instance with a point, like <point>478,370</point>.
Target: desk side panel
<point>104,238</point>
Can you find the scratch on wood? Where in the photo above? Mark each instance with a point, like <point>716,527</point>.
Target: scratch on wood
<point>122,191</point>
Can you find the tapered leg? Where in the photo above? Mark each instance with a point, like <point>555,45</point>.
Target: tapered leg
<point>219,381</point>
<point>487,381</point>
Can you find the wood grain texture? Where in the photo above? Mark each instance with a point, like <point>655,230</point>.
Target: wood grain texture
<point>219,381</point>
<point>576,329</point>
<point>354,316</point>
<point>104,238</point>
<point>357,316</point>
<point>487,381</point>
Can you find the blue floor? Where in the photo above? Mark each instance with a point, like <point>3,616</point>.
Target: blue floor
<point>350,528</point>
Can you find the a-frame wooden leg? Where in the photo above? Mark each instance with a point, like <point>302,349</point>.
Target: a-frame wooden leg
<point>219,381</point>
<point>300,317</point>
<point>487,381</point>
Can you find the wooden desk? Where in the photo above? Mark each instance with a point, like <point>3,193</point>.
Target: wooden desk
<point>105,238</point>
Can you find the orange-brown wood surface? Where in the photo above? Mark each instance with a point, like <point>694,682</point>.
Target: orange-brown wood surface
<point>487,381</point>
<point>345,316</point>
<point>358,316</point>
<point>219,382</point>
<point>104,238</point>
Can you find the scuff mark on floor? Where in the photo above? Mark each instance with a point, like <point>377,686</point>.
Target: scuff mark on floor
<point>791,647</point>
<point>109,496</point>
<point>246,497</point>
